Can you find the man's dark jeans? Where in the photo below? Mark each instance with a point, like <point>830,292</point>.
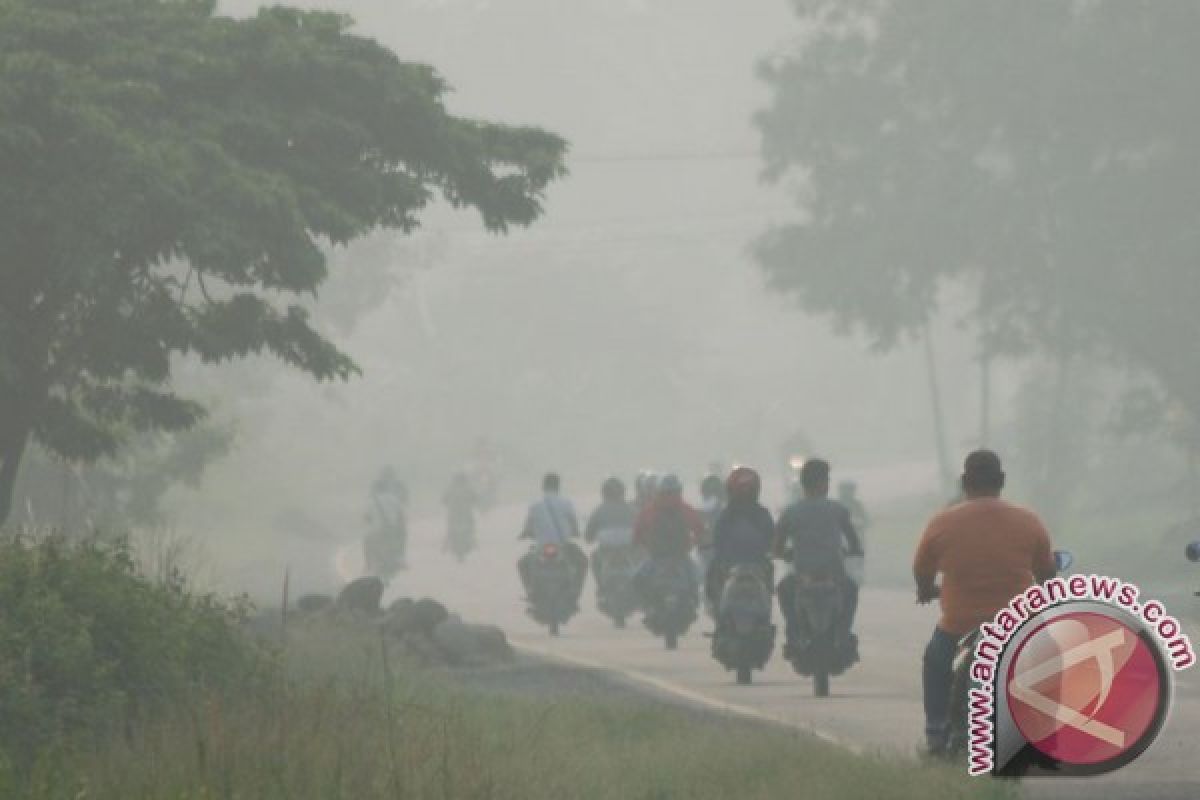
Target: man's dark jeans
<point>937,675</point>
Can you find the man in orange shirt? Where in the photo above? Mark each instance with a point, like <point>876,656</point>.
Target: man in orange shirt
<point>988,551</point>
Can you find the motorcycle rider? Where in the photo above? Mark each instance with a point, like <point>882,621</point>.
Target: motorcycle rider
<point>386,546</point>
<point>987,551</point>
<point>820,535</point>
<point>743,534</point>
<point>552,520</point>
<point>611,525</point>
<point>668,528</point>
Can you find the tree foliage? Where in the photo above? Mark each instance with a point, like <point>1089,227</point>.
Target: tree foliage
<point>1042,154</point>
<point>168,177</point>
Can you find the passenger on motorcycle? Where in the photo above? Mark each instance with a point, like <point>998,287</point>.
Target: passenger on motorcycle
<point>668,528</point>
<point>819,534</point>
<point>743,533</point>
<point>610,527</point>
<point>987,551</point>
<point>552,520</point>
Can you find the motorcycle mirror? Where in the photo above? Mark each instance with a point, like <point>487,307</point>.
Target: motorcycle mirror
<point>1063,559</point>
<point>1193,551</point>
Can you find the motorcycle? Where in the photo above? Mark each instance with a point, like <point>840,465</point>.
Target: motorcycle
<point>744,637</point>
<point>825,648</point>
<point>615,595</point>
<point>552,588</point>
<point>957,737</point>
<point>670,599</point>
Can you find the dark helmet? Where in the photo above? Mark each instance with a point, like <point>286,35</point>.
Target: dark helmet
<point>744,484</point>
<point>711,486</point>
<point>670,484</point>
<point>814,474</point>
<point>613,490</point>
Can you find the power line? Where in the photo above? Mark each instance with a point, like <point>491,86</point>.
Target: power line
<point>601,158</point>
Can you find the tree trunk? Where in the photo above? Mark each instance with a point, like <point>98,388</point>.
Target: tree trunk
<point>939,421</point>
<point>12,448</point>
<point>1056,482</point>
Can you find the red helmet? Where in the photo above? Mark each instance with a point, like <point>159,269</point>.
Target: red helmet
<point>743,484</point>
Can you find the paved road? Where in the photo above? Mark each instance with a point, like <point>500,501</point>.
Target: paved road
<point>873,708</point>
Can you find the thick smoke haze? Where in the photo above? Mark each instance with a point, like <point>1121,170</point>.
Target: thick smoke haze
<point>630,327</point>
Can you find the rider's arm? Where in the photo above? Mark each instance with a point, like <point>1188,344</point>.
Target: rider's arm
<point>593,526</point>
<point>767,527</point>
<point>1044,565</point>
<point>572,521</point>
<point>925,562</point>
<point>779,546</point>
<point>527,531</point>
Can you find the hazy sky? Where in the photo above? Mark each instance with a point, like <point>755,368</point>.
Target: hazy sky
<point>629,327</point>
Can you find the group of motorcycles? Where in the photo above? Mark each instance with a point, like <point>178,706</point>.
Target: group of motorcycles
<point>667,593</point>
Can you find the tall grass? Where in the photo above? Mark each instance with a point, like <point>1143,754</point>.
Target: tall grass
<point>132,688</point>
<point>374,729</point>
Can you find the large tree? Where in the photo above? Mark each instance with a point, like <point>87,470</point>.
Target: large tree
<point>168,178</point>
<point>1042,154</point>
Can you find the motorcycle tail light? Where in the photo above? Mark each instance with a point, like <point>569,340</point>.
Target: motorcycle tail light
<point>550,550</point>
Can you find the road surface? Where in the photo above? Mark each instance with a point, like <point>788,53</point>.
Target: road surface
<point>874,708</point>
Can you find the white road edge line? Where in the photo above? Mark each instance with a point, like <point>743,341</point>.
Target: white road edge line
<point>687,694</point>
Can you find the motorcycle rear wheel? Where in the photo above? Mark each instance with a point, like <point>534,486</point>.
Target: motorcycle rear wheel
<point>821,683</point>
<point>744,676</point>
<point>672,641</point>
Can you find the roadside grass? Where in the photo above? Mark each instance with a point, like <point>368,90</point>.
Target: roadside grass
<point>373,729</point>
<point>116,686</point>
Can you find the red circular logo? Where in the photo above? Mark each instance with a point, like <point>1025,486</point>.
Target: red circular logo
<point>1085,688</point>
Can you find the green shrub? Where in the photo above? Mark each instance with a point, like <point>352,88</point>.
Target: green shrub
<point>87,644</point>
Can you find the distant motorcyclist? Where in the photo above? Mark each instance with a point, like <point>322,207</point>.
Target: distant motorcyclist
<point>743,533</point>
<point>645,486</point>
<point>552,520</point>
<point>819,533</point>
<point>385,547</point>
<point>610,526</point>
<point>668,528</point>
<point>988,551</point>
<point>462,504</point>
